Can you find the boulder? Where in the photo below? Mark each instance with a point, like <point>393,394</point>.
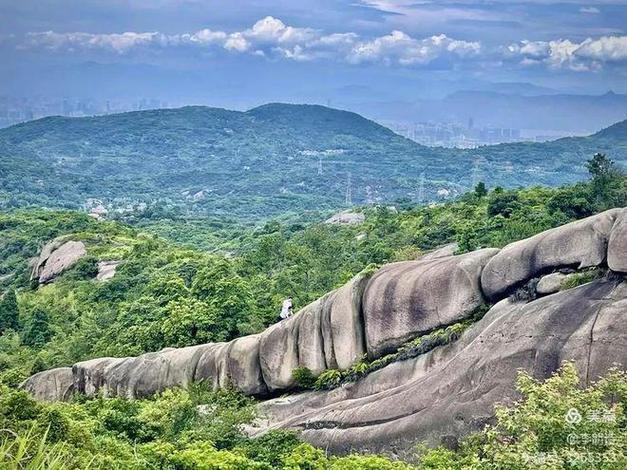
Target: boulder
<point>451,391</point>
<point>346,218</point>
<point>406,299</point>
<point>106,270</point>
<point>551,283</point>
<point>57,256</point>
<point>617,247</point>
<point>579,245</point>
<point>51,385</point>
<point>343,325</point>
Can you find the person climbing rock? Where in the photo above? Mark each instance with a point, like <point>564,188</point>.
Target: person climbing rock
<point>286,309</point>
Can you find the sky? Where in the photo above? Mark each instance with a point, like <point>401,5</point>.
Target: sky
<point>241,53</point>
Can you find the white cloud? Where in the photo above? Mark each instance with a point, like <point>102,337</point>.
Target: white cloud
<point>119,43</point>
<point>590,10</point>
<point>401,48</point>
<point>271,38</point>
<point>590,54</point>
<point>604,49</point>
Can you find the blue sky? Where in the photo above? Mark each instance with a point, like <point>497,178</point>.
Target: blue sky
<point>237,53</point>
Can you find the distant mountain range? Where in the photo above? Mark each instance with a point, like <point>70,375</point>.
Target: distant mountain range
<point>268,161</point>
<point>513,107</point>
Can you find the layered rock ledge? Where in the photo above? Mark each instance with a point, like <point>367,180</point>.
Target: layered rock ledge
<point>440,394</point>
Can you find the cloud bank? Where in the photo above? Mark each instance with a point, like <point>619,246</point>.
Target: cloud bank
<point>273,39</point>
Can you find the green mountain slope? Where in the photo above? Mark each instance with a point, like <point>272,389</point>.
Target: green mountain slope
<point>270,160</point>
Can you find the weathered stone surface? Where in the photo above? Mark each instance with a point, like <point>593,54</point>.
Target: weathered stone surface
<point>446,250</point>
<point>452,390</point>
<point>403,300</point>
<point>343,325</point>
<point>219,364</point>
<point>327,333</point>
<point>51,385</point>
<point>244,367</point>
<point>57,256</point>
<point>106,270</point>
<point>346,218</point>
<point>551,283</point>
<point>579,244</point>
<point>440,395</point>
<point>617,247</point>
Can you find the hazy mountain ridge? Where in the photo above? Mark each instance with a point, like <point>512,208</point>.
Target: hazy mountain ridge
<point>270,160</point>
<point>507,109</point>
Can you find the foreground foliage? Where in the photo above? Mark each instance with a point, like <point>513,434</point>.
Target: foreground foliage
<point>555,425</point>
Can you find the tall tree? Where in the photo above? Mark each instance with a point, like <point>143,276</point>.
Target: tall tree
<point>608,182</point>
<point>39,331</point>
<point>9,312</point>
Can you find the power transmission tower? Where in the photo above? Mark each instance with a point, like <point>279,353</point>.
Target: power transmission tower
<point>475,173</point>
<point>349,194</point>
<point>421,189</point>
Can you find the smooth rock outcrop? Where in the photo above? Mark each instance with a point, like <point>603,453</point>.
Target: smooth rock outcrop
<point>346,218</point>
<point>403,300</point>
<point>51,385</point>
<point>617,246</point>
<point>106,270</point>
<point>450,391</point>
<point>580,244</point>
<point>551,283</point>
<point>220,364</point>
<point>55,257</point>
<point>327,333</point>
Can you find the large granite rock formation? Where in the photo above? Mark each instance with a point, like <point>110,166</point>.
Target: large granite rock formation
<point>409,298</point>
<point>55,257</point>
<point>452,390</point>
<point>579,244</point>
<point>444,393</point>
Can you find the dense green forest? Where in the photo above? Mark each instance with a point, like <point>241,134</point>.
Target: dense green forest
<point>172,294</point>
<point>256,165</point>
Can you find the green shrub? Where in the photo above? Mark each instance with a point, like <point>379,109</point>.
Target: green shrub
<point>556,424</point>
<point>330,378</point>
<point>303,377</point>
<point>580,278</point>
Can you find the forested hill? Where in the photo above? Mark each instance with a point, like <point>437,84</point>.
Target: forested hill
<point>271,160</point>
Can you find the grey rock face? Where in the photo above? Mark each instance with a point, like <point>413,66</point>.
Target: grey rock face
<point>106,270</point>
<point>327,333</point>
<point>51,385</point>
<point>403,300</point>
<point>551,283</point>
<point>579,244</point>
<point>447,250</point>
<point>57,256</point>
<point>617,248</point>
<point>452,390</point>
<point>346,218</point>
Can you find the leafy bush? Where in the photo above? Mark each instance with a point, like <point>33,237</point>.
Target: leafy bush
<point>303,377</point>
<point>330,378</point>
<point>556,424</point>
